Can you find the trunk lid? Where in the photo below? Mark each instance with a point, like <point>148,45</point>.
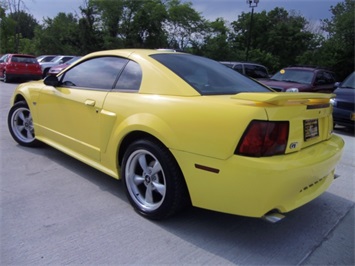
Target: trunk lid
<point>309,115</point>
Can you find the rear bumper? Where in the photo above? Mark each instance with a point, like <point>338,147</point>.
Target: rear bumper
<point>254,186</point>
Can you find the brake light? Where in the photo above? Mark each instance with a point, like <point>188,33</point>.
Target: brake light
<point>264,138</point>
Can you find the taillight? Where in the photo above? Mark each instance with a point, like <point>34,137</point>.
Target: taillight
<point>264,138</point>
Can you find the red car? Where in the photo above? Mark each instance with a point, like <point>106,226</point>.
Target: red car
<point>19,66</point>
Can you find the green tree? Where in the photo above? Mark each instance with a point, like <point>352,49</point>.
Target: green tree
<point>17,27</point>
<point>90,35</point>
<point>7,29</point>
<point>184,26</point>
<point>216,43</point>
<point>25,23</point>
<point>58,35</point>
<point>277,38</point>
<point>108,15</point>
<point>142,24</point>
<point>338,50</point>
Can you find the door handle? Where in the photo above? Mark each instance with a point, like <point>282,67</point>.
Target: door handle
<point>90,102</point>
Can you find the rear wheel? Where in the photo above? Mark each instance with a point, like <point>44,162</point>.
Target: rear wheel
<point>20,125</point>
<point>4,77</point>
<point>153,181</point>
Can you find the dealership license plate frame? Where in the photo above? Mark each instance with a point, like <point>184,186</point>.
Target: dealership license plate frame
<point>311,129</point>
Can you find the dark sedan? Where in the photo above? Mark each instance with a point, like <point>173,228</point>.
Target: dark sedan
<point>343,104</point>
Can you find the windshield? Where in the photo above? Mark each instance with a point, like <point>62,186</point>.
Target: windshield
<point>208,77</point>
<point>349,82</point>
<point>294,75</point>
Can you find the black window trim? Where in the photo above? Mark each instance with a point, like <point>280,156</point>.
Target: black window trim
<point>96,89</point>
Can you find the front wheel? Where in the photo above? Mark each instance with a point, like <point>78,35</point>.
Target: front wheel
<point>153,181</point>
<point>20,125</point>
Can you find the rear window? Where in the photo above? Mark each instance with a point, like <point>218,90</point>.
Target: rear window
<point>207,76</point>
<point>23,59</point>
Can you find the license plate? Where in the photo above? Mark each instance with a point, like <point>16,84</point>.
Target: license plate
<point>310,129</point>
<point>352,116</point>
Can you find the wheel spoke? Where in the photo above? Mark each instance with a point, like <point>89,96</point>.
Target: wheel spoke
<point>143,162</point>
<point>149,195</point>
<point>138,180</point>
<point>160,188</point>
<point>156,168</point>
<point>21,116</point>
<point>29,134</point>
<point>20,128</point>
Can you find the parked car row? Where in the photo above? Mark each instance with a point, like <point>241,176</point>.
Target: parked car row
<point>57,60</point>
<point>54,70</point>
<point>288,79</point>
<point>29,67</point>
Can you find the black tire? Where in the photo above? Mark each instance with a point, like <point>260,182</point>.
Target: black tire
<point>20,125</point>
<point>153,181</point>
<point>45,73</point>
<point>5,79</point>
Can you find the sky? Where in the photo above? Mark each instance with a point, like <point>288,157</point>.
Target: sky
<point>312,10</point>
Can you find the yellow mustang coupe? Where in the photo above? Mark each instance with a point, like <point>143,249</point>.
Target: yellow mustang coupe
<point>180,129</point>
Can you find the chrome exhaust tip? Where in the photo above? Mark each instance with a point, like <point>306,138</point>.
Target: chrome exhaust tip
<point>273,217</point>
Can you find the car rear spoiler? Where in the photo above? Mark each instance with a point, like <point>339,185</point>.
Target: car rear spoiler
<point>285,98</point>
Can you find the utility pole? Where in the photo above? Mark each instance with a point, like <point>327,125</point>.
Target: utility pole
<point>252,4</point>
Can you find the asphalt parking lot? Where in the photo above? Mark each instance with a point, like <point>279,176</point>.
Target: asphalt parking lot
<point>55,210</point>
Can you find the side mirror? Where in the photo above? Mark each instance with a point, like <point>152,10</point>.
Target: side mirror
<point>336,84</point>
<point>51,81</point>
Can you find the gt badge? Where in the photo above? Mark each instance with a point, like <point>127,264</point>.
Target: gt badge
<point>293,145</point>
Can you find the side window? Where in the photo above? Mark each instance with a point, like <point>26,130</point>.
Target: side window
<point>238,68</point>
<point>329,78</point>
<point>65,59</point>
<point>255,71</point>
<point>320,78</point>
<point>131,77</point>
<point>4,58</point>
<point>95,73</point>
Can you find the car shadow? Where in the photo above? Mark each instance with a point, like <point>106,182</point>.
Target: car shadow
<point>289,241</point>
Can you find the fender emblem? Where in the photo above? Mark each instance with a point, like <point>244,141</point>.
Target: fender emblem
<point>293,145</point>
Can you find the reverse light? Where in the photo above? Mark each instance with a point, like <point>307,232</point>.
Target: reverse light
<point>264,138</point>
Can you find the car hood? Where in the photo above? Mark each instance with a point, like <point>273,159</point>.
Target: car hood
<point>345,94</point>
<point>282,84</point>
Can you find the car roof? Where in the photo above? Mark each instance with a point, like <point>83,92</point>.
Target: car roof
<point>240,62</point>
<point>308,68</point>
<point>23,55</point>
